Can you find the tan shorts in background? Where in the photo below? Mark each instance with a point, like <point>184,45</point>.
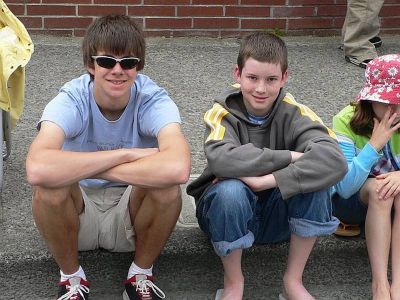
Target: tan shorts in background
<point>105,222</point>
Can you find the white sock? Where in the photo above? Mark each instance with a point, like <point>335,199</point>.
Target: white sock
<point>134,269</point>
<point>80,273</point>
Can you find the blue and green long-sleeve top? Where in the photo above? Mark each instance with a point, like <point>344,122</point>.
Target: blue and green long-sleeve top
<point>362,159</point>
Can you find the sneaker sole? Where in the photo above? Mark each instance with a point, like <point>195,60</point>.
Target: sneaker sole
<point>355,62</point>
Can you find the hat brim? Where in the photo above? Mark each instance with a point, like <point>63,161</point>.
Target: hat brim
<point>380,95</point>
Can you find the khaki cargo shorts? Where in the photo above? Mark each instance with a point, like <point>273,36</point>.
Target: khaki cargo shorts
<point>105,222</point>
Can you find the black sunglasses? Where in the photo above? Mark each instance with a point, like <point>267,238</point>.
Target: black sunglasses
<point>109,62</point>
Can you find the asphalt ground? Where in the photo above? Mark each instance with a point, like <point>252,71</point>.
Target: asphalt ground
<point>192,70</point>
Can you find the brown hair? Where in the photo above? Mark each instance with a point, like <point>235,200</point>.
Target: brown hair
<point>264,47</point>
<point>362,122</point>
<point>116,34</point>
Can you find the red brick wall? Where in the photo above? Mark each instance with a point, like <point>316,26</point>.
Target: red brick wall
<point>215,18</point>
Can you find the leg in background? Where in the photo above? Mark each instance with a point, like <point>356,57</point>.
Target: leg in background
<point>378,238</point>
<point>395,249</point>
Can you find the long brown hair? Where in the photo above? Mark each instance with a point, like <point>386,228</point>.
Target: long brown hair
<point>362,122</point>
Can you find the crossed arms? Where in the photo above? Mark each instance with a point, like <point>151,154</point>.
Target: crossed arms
<point>49,166</point>
<point>313,162</point>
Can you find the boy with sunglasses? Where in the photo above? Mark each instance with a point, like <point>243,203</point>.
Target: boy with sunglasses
<point>271,162</point>
<point>108,162</point>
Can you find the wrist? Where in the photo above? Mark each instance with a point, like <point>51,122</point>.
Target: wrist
<point>125,156</point>
<point>376,146</point>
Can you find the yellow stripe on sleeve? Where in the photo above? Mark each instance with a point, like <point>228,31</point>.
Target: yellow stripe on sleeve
<point>213,119</point>
<point>305,111</point>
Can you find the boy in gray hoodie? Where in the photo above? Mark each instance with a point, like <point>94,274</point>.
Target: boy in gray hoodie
<point>271,163</point>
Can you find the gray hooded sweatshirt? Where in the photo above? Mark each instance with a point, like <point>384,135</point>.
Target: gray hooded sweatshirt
<point>235,147</point>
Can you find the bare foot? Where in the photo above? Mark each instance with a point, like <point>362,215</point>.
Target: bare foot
<point>233,290</point>
<point>381,291</point>
<point>295,290</point>
<point>395,292</point>
<point>232,293</point>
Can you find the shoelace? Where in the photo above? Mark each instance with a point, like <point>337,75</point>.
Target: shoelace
<point>73,292</point>
<point>142,286</point>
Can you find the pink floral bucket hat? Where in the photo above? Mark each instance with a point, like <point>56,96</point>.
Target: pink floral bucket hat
<point>382,80</point>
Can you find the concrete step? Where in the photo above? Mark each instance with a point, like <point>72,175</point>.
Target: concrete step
<point>189,269</point>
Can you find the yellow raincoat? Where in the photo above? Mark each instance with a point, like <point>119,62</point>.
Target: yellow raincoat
<point>16,48</point>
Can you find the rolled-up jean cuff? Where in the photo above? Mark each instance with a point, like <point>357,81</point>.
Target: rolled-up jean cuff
<point>309,228</point>
<point>224,248</point>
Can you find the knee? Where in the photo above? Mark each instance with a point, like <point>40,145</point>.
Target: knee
<point>232,196</point>
<point>323,196</point>
<point>318,200</point>
<point>380,204</point>
<point>316,206</point>
<point>50,197</point>
<point>167,197</point>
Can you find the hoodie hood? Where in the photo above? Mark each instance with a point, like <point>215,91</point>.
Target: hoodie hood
<point>232,100</point>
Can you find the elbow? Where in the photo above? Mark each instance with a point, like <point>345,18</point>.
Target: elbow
<point>183,173</point>
<point>180,172</point>
<point>343,193</point>
<point>33,174</point>
<point>183,177</point>
<point>227,172</point>
<point>221,168</point>
<point>37,174</point>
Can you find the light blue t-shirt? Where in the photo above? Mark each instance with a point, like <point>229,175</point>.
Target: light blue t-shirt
<point>86,129</point>
<point>256,120</point>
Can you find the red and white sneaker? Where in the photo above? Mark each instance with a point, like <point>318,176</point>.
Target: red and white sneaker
<point>141,287</point>
<point>74,288</point>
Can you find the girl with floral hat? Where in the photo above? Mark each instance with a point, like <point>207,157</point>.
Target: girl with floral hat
<point>368,135</point>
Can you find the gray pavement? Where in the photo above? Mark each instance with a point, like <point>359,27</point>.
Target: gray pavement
<point>193,70</point>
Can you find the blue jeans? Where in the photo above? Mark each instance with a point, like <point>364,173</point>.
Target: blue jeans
<point>234,217</point>
<point>351,210</point>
